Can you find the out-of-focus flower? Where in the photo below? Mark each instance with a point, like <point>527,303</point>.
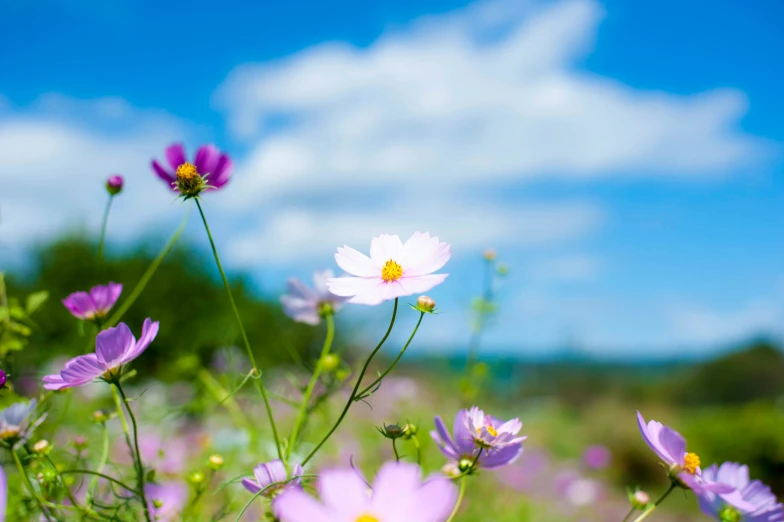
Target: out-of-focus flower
<point>492,433</point>
<point>17,422</point>
<point>583,492</point>
<point>270,480</point>
<point>766,507</point>
<point>308,305</point>
<point>394,269</point>
<point>95,304</point>
<point>3,494</point>
<point>398,493</point>
<point>42,446</point>
<point>210,169</point>
<point>640,499</point>
<point>114,348</point>
<point>3,379</point>
<point>80,442</point>
<point>596,457</point>
<point>489,254</point>
<point>463,447</point>
<point>166,500</point>
<point>114,184</point>
<point>684,468</point>
<point>215,461</point>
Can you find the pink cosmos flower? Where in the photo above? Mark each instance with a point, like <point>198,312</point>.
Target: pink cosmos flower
<point>114,348</point>
<point>95,304</point>
<point>394,269</point>
<point>398,494</point>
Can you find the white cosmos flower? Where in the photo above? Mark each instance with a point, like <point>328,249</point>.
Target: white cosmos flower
<point>394,269</point>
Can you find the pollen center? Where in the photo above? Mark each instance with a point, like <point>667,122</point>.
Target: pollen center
<point>492,431</point>
<point>187,172</point>
<point>368,518</point>
<point>391,272</point>
<point>691,462</point>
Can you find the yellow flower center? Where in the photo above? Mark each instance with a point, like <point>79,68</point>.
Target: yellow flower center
<point>691,462</point>
<point>189,181</point>
<point>490,430</point>
<point>391,272</point>
<point>368,518</point>
<point>9,433</point>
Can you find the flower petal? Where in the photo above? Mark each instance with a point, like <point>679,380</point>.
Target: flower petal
<point>422,283</point>
<point>175,155</point>
<point>222,172</point>
<point>434,501</point>
<point>104,297</point>
<point>500,458</point>
<point>384,248</point>
<point>80,305</point>
<point>344,491</point>
<point>356,263</point>
<point>112,344</point>
<point>424,255</point>
<point>351,286</point>
<point>294,505</point>
<point>206,159</point>
<point>149,331</point>
<point>164,174</point>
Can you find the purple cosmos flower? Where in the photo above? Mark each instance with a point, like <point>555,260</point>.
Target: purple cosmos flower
<point>307,305</point>
<point>18,421</point>
<point>166,500</point>
<point>114,348</point>
<point>398,494</point>
<point>491,433</point>
<point>270,480</point>
<point>3,494</point>
<point>3,379</point>
<point>463,449</point>
<point>93,305</point>
<point>766,507</point>
<point>394,269</point>
<point>596,457</point>
<point>684,468</point>
<point>209,164</point>
<point>114,184</point>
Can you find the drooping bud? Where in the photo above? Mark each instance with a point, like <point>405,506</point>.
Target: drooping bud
<point>330,362</point>
<point>114,184</point>
<point>425,304</point>
<point>42,447</point>
<point>215,461</point>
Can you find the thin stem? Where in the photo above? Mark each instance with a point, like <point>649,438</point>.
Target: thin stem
<point>101,464</point>
<point>418,447</point>
<point>248,349</point>
<point>103,229</point>
<point>66,488</point>
<point>487,298</point>
<point>629,514</point>
<point>356,386</point>
<point>656,504</point>
<point>459,500</point>
<point>303,409</point>
<point>29,485</point>
<point>97,474</point>
<point>399,356</point>
<point>139,288</point>
<point>139,464</point>
<point>394,448</point>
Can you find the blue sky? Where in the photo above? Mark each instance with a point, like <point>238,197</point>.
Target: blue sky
<point>624,158</point>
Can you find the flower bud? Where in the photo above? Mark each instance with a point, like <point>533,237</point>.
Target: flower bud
<point>410,430</point>
<point>325,308</point>
<point>425,304</point>
<point>197,477</point>
<point>215,461</point>
<point>157,504</point>
<point>80,442</point>
<point>100,416</point>
<point>114,184</point>
<point>464,465</point>
<point>392,431</point>
<point>639,499</point>
<point>330,362</point>
<point>489,254</point>
<point>42,447</point>
<point>451,470</point>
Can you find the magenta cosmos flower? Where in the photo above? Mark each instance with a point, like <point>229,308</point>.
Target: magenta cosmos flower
<point>95,304</point>
<point>684,468</point>
<point>398,494</point>
<point>114,348</point>
<point>766,507</point>
<point>463,448</point>
<point>114,184</point>
<point>210,169</point>
<point>308,305</point>
<point>394,269</point>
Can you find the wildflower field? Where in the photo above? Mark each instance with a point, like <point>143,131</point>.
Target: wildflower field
<point>284,415</point>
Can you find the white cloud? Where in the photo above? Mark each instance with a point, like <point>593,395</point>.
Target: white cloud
<point>57,155</point>
<point>707,325</point>
<point>292,234</point>
<point>483,95</point>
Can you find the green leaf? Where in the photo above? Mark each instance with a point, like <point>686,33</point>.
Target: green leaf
<point>36,300</point>
<point>21,329</point>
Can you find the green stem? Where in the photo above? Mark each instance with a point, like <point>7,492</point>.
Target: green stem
<point>29,485</point>
<point>356,386</point>
<point>105,221</point>
<point>487,298</point>
<point>399,356</point>
<point>418,447</point>
<point>629,514</point>
<point>101,464</point>
<point>459,500</point>
<point>224,398</point>
<point>139,288</point>
<point>139,463</point>
<point>259,383</point>
<point>97,474</point>
<point>394,449</point>
<point>303,409</point>
<point>656,504</point>
<point>66,488</point>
